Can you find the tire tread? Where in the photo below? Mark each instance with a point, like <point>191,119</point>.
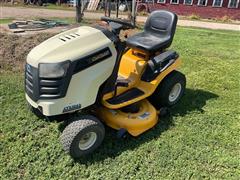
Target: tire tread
<point>77,125</point>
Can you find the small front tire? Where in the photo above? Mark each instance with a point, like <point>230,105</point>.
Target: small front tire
<point>82,136</point>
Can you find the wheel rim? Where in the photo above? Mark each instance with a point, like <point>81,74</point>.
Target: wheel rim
<point>175,92</point>
<point>87,140</point>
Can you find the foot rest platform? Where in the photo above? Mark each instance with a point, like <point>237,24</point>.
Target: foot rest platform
<point>126,96</point>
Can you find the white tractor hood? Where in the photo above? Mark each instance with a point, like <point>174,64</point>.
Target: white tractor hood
<point>69,45</point>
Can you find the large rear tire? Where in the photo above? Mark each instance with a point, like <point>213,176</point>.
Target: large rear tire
<point>169,91</point>
<point>82,136</point>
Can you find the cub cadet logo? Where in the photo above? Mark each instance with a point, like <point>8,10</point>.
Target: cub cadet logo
<point>71,108</point>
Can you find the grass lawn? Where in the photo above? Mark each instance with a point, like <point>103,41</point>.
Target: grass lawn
<point>199,140</point>
<point>5,20</point>
<point>68,20</point>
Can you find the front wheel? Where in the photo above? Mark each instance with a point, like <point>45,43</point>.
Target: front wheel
<point>83,136</point>
<point>169,91</point>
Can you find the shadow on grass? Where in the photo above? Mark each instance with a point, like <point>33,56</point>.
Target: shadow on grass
<point>193,100</point>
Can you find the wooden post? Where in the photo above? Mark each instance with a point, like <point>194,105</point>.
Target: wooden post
<point>105,7</point>
<point>117,9</point>
<point>109,8</point>
<point>133,12</point>
<point>78,11</point>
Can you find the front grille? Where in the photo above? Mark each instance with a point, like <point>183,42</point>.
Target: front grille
<point>44,88</point>
<point>31,81</point>
<point>51,87</point>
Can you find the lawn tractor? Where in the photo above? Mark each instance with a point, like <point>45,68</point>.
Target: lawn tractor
<point>124,84</point>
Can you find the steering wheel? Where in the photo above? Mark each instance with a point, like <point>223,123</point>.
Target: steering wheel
<point>119,21</point>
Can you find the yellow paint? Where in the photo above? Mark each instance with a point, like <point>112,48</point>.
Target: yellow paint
<point>134,123</point>
<point>132,67</point>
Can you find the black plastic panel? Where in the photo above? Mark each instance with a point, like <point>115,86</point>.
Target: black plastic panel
<point>92,59</point>
<point>45,88</point>
<point>31,82</point>
<point>158,64</point>
<point>126,96</point>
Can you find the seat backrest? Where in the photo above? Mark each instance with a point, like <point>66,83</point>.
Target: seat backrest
<point>162,23</point>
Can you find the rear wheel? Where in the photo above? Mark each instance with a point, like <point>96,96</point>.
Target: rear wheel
<point>82,136</point>
<point>169,91</point>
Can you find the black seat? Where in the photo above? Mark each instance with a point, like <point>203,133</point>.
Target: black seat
<point>158,32</point>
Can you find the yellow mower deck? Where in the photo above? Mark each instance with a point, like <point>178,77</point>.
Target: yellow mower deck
<point>134,123</point>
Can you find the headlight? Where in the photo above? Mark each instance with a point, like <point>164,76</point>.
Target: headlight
<point>53,70</point>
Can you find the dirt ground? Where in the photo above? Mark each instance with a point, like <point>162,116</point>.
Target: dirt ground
<point>22,12</point>
<point>14,49</point>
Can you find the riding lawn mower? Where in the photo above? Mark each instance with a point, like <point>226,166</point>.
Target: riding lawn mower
<point>122,84</point>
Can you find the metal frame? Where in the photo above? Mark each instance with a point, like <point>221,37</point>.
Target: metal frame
<point>133,10</point>
<point>161,2</point>
<point>201,4</point>
<point>233,7</point>
<point>171,2</point>
<point>184,2</point>
<point>213,4</point>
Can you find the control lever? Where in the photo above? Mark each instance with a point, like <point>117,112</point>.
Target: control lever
<point>122,83</point>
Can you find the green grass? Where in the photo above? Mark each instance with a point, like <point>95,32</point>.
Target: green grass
<point>199,140</point>
<point>6,20</point>
<point>68,20</point>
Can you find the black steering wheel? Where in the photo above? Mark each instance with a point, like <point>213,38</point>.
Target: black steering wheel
<point>126,25</point>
